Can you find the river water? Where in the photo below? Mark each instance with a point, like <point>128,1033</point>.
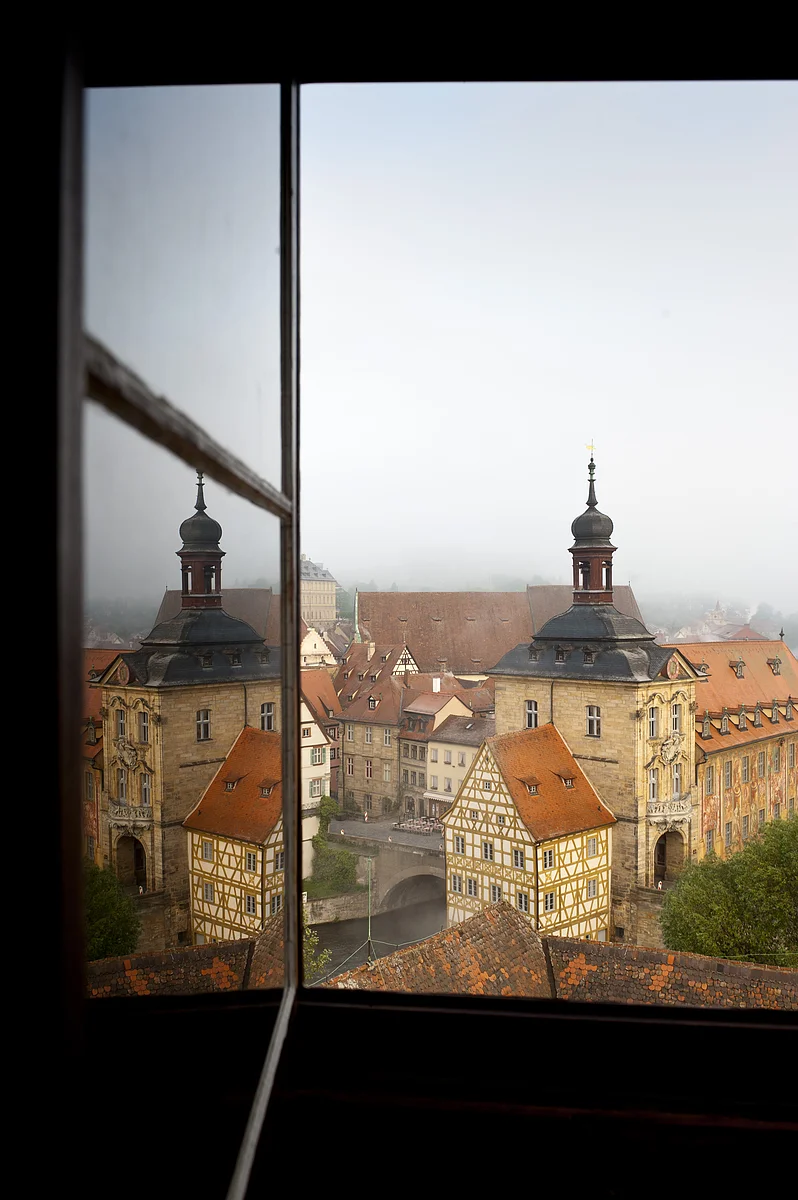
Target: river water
<point>389,931</point>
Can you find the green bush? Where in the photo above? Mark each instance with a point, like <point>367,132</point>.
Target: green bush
<point>334,865</point>
<point>112,923</point>
<point>328,808</point>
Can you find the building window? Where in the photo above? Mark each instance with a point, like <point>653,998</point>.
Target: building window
<point>203,725</point>
<point>531,714</point>
<point>487,851</point>
<point>677,779</point>
<point>250,906</point>
<point>279,860</point>
<point>724,724</point>
<point>791,806</point>
<point>90,847</point>
<point>367,804</point>
<point>745,828</point>
<point>592,889</point>
<point>653,783</point>
<point>144,726</point>
<point>742,722</point>
<point>433,755</point>
<point>791,755</point>
<point>500,819</point>
<point>433,781</point>
<point>369,769</point>
<point>653,722</point>
<point>569,783</point>
<point>472,887</point>
<point>372,702</point>
<point>788,710</point>
<point>592,847</point>
<point>777,758</point>
<point>350,733</point>
<point>457,883</point>
<point>208,893</point>
<point>710,781</point>
<point>277,904</point>
<point>459,845</point>
<point>405,750</point>
<point>728,835</point>
<point>422,779</point>
<point>230,785</point>
<point>413,778</point>
<point>746,769</point>
<point>447,784</point>
<point>252,860</point>
<point>548,859</point>
<point>776,812</point>
<point>589,657</point>
<point>422,753</point>
<point>267,717</point>
<point>710,840</point>
<point>386,737</point>
<point>386,772</point>
<point>207,851</point>
<point>146,794</point>
<point>447,758</point>
<point>318,756</point>
<point>532,788</point>
<point>518,859</point>
<point>306,731</point>
<point>414,751</point>
<point>350,766</point>
<point>314,788</point>
<point>593,720</point>
<point>559,655</point>
<point>120,722</point>
<point>368,735</point>
<point>549,899</point>
<point>89,785</point>
<point>727,773</point>
<point>121,785</point>
<point>760,764</point>
<point>461,758</point>
<point>761,817</point>
<point>473,814</point>
<point>522,900</point>
<point>676,718</point>
<point>487,786</point>
<point>495,893</point>
<point>405,777</point>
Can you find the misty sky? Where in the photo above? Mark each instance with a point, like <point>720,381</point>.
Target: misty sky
<point>492,276</point>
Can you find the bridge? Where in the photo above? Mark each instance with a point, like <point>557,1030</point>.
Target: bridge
<point>406,868</point>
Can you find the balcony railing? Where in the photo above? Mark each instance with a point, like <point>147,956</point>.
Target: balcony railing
<point>674,809</point>
<point>130,812</point>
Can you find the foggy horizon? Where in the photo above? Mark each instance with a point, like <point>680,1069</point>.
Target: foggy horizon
<point>493,276</point>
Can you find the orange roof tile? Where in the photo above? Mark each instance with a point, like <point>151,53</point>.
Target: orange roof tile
<point>95,661</point>
<point>721,688</point>
<point>255,759</point>
<point>319,694</point>
<point>719,742</point>
<point>543,756</point>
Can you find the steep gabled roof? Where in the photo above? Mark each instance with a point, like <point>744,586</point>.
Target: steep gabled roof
<point>542,756</point>
<point>253,762</point>
<point>319,694</point>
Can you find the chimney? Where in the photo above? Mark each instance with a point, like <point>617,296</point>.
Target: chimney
<point>436,683</point>
<point>442,665</point>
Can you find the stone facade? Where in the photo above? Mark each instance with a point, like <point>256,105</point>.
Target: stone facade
<point>369,779</point>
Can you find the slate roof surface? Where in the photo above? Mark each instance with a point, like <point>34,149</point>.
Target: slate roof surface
<point>543,755</point>
<point>495,953</point>
<point>254,759</point>
<point>470,630</point>
<point>183,666</point>
<point>259,607</point>
<point>721,688</point>
<point>311,570</point>
<point>465,731</point>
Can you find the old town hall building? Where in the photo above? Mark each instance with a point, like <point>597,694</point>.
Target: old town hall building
<point>626,708</point>
<point>171,712</point>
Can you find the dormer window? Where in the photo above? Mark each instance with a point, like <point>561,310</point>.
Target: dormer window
<point>589,657</point>
<point>569,783</point>
<point>532,788</point>
<point>373,678</point>
<point>346,674</point>
<point>384,658</point>
<point>351,695</point>
<point>230,785</point>
<point>266,789</point>
<point>372,702</point>
<point>737,666</point>
<point>207,661</point>
<point>788,713</point>
<point>775,665</point>
<point>757,717</point>
<point>235,658</point>
<point>706,727</point>
<point>559,655</point>
<point>534,654</point>
<point>361,676</point>
<point>263,656</point>
<point>775,713</point>
<point>743,721</point>
<point>724,722</point>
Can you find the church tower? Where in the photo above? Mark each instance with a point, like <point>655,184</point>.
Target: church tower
<point>625,707</point>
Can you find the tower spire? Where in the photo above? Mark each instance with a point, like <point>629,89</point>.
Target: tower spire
<point>592,549</point>
<point>200,505</point>
<point>592,502</point>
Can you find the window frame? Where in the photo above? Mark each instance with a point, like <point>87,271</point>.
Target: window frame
<point>72,351</point>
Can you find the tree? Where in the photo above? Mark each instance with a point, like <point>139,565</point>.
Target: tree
<point>743,907</point>
<point>112,923</point>
<point>328,808</point>
<point>314,960</point>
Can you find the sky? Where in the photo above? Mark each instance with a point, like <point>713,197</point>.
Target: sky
<point>493,276</point>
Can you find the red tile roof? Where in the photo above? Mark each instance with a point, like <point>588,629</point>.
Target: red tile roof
<point>319,694</point>
<point>470,630</point>
<point>542,756</point>
<point>254,760</point>
<point>495,953</point>
<point>721,688</point>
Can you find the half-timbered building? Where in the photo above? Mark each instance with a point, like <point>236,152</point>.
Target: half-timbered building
<point>236,857</point>
<point>528,827</point>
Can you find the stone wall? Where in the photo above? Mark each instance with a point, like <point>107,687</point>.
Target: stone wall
<point>337,908</point>
<point>632,975</point>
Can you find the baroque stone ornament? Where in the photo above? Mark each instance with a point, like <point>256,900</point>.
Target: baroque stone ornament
<point>671,749</point>
<point>673,668</point>
<point>127,753</point>
<point>123,673</point>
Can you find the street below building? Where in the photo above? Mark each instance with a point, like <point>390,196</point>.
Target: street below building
<point>346,940</point>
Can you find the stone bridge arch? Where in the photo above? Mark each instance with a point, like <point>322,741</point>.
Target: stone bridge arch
<point>413,887</point>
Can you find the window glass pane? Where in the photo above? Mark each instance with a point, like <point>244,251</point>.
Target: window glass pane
<point>184,827</point>
<point>487,271</point>
<point>182,252</point>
